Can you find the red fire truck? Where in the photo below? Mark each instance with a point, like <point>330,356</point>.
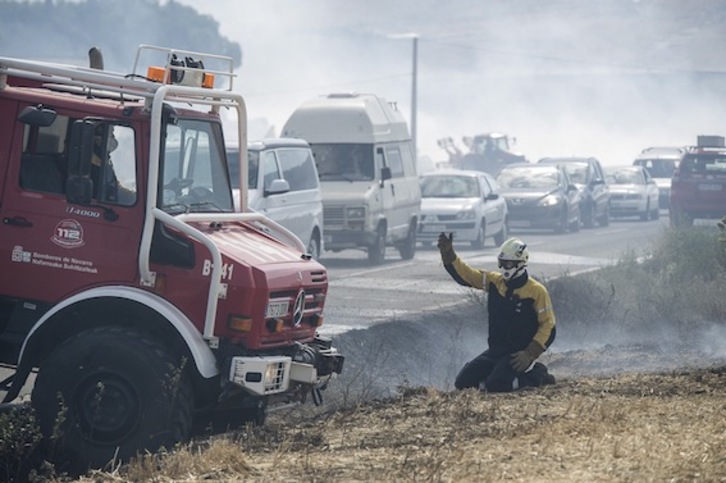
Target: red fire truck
<point>142,299</point>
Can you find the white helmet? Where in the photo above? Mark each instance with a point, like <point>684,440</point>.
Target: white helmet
<point>513,258</point>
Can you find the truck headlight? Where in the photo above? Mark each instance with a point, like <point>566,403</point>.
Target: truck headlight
<point>355,212</point>
<point>261,375</point>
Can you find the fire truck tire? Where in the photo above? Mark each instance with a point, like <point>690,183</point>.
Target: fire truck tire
<point>107,393</point>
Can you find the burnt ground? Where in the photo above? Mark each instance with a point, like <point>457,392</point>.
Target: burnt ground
<point>624,408</point>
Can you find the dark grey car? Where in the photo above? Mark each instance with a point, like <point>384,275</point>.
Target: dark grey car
<point>588,176</point>
<point>540,196</point>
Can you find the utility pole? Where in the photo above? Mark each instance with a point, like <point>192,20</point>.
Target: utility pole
<point>414,87</point>
<point>414,97</point>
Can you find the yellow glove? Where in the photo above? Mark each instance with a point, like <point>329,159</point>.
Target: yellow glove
<point>446,247</point>
<point>523,359</point>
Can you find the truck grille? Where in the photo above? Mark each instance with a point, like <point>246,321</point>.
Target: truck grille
<point>333,215</point>
<point>276,383</point>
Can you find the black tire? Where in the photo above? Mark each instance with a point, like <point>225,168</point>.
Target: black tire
<point>561,226</point>
<point>679,219</point>
<point>377,251</point>
<point>645,216</point>
<point>231,417</point>
<point>575,225</point>
<point>604,220</point>
<point>590,216</point>
<point>500,237</point>
<point>480,241</point>
<point>314,246</point>
<point>112,392</point>
<point>407,250</point>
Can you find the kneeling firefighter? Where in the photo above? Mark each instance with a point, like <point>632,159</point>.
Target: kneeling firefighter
<point>521,320</point>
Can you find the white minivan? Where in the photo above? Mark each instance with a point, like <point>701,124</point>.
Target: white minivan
<point>283,185</point>
<point>366,164</point>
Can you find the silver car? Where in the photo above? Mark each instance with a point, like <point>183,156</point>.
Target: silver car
<point>465,203</point>
<point>633,192</point>
<point>661,163</point>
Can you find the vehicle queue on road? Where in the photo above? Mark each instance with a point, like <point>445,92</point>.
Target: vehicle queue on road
<point>559,193</point>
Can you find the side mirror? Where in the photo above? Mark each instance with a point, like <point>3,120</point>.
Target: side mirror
<point>597,181</point>
<point>37,116</point>
<point>491,196</point>
<point>385,173</point>
<point>278,186</point>
<point>571,187</point>
<point>81,148</point>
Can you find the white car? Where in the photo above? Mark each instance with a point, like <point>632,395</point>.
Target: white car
<point>633,192</point>
<point>283,185</point>
<point>465,203</point>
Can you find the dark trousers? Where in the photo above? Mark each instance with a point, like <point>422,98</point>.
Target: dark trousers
<point>496,372</point>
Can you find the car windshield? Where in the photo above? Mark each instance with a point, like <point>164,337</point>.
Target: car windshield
<point>658,168</point>
<point>344,162</point>
<point>704,163</point>
<point>529,178</point>
<point>577,172</point>
<point>624,176</point>
<point>194,173</point>
<point>449,187</point>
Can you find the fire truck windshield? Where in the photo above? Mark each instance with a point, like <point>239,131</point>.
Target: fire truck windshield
<point>193,171</point>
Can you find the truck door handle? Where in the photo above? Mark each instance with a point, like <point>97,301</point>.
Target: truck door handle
<point>393,190</point>
<point>18,221</point>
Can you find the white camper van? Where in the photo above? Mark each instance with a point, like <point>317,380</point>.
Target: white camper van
<point>366,164</point>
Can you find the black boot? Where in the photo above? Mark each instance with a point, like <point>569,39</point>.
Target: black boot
<point>537,376</point>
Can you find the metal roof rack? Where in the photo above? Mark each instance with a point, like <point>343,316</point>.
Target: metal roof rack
<point>87,79</point>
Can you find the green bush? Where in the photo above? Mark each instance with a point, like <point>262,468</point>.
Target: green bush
<point>21,449</point>
<point>679,285</point>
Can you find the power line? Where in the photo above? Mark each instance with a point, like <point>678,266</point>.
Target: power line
<point>551,58</point>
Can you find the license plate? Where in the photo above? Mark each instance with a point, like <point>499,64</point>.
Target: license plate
<point>434,228</point>
<point>519,223</point>
<point>710,187</point>
<point>277,309</point>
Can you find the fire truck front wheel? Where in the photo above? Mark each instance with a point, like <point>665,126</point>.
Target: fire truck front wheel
<point>108,393</point>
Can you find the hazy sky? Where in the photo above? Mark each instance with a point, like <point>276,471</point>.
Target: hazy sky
<point>563,81</point>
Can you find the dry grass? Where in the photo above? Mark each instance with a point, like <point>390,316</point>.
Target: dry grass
<point>659,427</point>
<point>614,414</point>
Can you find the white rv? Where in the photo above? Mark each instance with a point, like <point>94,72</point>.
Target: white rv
<point>366,164</point>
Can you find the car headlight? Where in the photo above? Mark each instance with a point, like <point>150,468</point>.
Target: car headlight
<point>550,200</point>
<point>355,212</point>
<point>466,215</point>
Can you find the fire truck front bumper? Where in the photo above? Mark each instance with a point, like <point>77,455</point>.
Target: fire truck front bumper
<point>312,365</point>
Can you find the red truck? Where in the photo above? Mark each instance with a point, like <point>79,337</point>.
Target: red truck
<point>698,185</point>
<point>143,300</point>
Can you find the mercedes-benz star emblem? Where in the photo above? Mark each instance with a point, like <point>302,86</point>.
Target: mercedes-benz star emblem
<point>298,308</point>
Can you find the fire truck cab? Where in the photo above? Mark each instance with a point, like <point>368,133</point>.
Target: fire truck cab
<point>143,300</point>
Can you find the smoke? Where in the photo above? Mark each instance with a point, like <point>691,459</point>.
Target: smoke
<point>604,79</point>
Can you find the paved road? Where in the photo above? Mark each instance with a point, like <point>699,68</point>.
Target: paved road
<point>360,295</point>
